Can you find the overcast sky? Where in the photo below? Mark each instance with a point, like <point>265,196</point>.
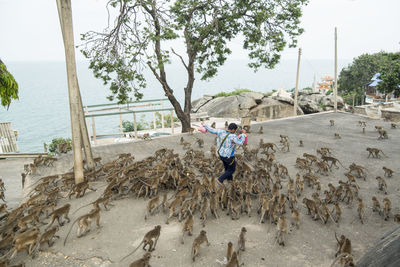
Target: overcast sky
<point>30,30</point>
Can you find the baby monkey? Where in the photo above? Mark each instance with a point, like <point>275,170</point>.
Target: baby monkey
<point>337,136</point>
<point>301,144</point>
<point>332,122</point>
<point>242,240</point>
<point>143,261</point>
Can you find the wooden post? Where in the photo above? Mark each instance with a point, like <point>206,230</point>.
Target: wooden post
<point>135,125</point>
<point>297,85</point>
<point>84,134</point>
<point>94,131</point>
<point>336,77</point>
<point>65,15</point>
<point>162,115</point>
<point>120,121</point>
<point>172,122</point>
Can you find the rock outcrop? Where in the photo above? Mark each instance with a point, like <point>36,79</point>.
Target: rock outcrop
<point>261,107</point>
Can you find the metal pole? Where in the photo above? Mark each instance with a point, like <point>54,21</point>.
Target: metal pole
<point>65,15</point>
<point>297,85</point>
<point>172,122</point>
<point>135,125</point>
<point>154,121</point>
<point>336,77</point>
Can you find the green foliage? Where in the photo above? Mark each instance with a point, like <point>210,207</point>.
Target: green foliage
<point>322,106</point>
<point>56,141</point>
<point>128,126</point>
<point>141,33</point>
<point>390,76</point>
<point>330,91</point>
<point>353,78</point>
<point>236,92</point>
<point>8,86</point>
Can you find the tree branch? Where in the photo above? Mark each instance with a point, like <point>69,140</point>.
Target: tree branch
<point>183,62</point>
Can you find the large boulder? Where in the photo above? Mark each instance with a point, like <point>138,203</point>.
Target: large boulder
<point>227,107</point>
<point>309,104</point>
<point>273,109</point>
<point>198,103</point>
<point>283,96</point>
<point>256,96</point>
<point>329,100</point>
<point>246,102</point>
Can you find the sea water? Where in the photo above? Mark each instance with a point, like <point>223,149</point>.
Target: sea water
<point>42,111</point>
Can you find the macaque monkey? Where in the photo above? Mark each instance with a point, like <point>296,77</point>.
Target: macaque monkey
<point>85,221</point>
<point>148,240</point>
<point>285,144</point>
<point>143,261</point>
<point>58,214</point>
<point>48,236</point>
<point>388,172</point>
<point>80,189</point>
<point>182,140</point>
<point>393,125</point>
<point>226,124</point>
<point>187,227</point>
<point>382,184</point>
<point>234,262</point>
<point>375,205</point>
<point>383,134</point>
<point>296,218</point>
<point>229,251</point>
<point>200,142</point>
<point>363,130</point>
<point>213,125</point>
<point>186,145</point>
<point>360,210</point>
<point>200,239</point>
<point>301,144</point>
<point>378,127</point>
<point>151,206</point>
<point>311,208</point>
<point>387,208</point>
<point>332,122</point>
<point>260,130</point>
<point>191,130</point>
<point>374,152</point>
<point>146,136</point>
<point>242,239</point>
<point>281,230</point>
<point>337,136</point>
<point>362,123</point>
<point>336,212</point>
<point>173,207</point>
<point>25,241</point>
<point>396,217</point>
<point>344,245</point>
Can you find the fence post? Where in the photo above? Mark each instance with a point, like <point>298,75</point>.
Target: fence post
<point>120,121</point>
<point>172,122</point>
<point>162,115</point>
<point>135,125</point>
<point>94,131</point>
<point>154,121</point>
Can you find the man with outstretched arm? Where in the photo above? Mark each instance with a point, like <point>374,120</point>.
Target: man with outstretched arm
<point>226,140</point>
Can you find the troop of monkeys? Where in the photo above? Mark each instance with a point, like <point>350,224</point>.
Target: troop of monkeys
<point>256,177</point>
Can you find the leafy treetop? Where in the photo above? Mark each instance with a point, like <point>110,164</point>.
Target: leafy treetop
<point>8,86</point>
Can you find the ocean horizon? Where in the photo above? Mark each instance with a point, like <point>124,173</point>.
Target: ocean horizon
<point>42,111</point>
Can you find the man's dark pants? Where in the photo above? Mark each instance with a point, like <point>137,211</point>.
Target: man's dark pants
<point>230,167</point>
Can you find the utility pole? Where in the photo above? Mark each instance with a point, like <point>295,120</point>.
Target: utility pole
<point>65,15</point>
<point>336,76</point>
<point>297,85</point>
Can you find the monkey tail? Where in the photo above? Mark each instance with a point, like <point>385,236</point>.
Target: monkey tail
<point>132,251</point>
<point>5,256</point>
<point>83,207</point>
<point>342,165</point>
<point>65,240</point>
<point>342,255</point>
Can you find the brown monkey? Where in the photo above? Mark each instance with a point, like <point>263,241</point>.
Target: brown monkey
<point>200,239</point>
<point>344,245</point>
<point>375,205</point>
<point>360,210</point>
<point>143,261</point>
<point>187,227</point>
<point>242,239</point>
<point>58,214</point>
<point>25,241</point>
<point>234,262</point>
<point>388,172</point>
<point>311,208</point>
<point>374,152</point>
<point>383,134</point>
<point>229,251</point>
<point>363,130</point>
<point>146,136</point>
<point>80,189</point>
<point>281,230</point>
<point>85,221</point>
<point>173,207</point>
<point>148,240</point>
<point>396,217</point>
<point>213,125</point>
<point>378,127</point>
<point>387,208</point>
<point>200,142</point>
<point>337,136</point>
<point>182,140</point>
<point>301,143</point>
<point>382,184</point>
<point>260,130</point>
<point>362,123</point>
<point>296,218</point>
<point>186,145</point>
<point>48,236</point>
<point>151,206</point>
<point>393,125</point>
<point>332,122</point>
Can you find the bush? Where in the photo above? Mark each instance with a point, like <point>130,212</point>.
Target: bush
<point>128,126</point>
<point>236,92</point>
<point>56,141</point>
